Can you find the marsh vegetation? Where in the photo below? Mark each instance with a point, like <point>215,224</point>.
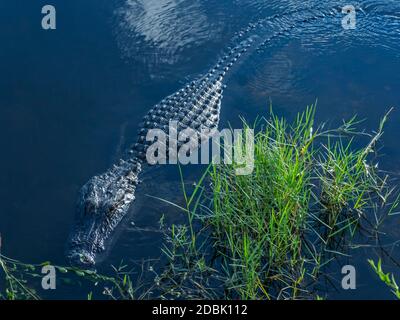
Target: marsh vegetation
<point>267,235</point>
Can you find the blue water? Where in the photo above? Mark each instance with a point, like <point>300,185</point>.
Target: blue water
<point>71,101</point>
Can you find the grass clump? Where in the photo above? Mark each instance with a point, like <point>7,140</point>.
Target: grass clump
<point>268,234</point>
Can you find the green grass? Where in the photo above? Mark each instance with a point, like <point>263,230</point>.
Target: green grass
<point>22,281</point>
<point>267,235</point>
<point>387,278</point>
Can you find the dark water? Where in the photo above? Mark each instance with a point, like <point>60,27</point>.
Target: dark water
<point>71,101</point>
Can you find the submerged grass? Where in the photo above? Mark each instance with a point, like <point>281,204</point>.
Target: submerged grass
<point>266,235</point>
<point>23,281</point>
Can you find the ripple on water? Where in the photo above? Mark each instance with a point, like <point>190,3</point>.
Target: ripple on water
<point>156,32</point>
<point>159,31</point>
<point>377,25</point>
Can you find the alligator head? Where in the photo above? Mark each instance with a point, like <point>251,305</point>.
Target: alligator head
<point>105,199</point>
<point>103,202</point>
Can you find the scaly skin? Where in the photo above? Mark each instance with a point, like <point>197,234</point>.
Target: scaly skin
<point>106,198</point>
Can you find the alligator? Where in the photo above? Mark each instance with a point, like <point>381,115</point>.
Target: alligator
<point>105,199</point>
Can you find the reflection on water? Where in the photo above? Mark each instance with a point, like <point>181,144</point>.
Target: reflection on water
<point>313,60</point>
<point>57,138</point>
<point>167,24</point>
<point>157,31</point>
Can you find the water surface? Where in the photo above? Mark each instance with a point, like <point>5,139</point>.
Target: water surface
<point>71,101</point>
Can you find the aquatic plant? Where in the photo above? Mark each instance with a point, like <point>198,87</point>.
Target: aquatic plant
<point>387,278</point>
<point>21,281</point>
<point>267,235</point>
